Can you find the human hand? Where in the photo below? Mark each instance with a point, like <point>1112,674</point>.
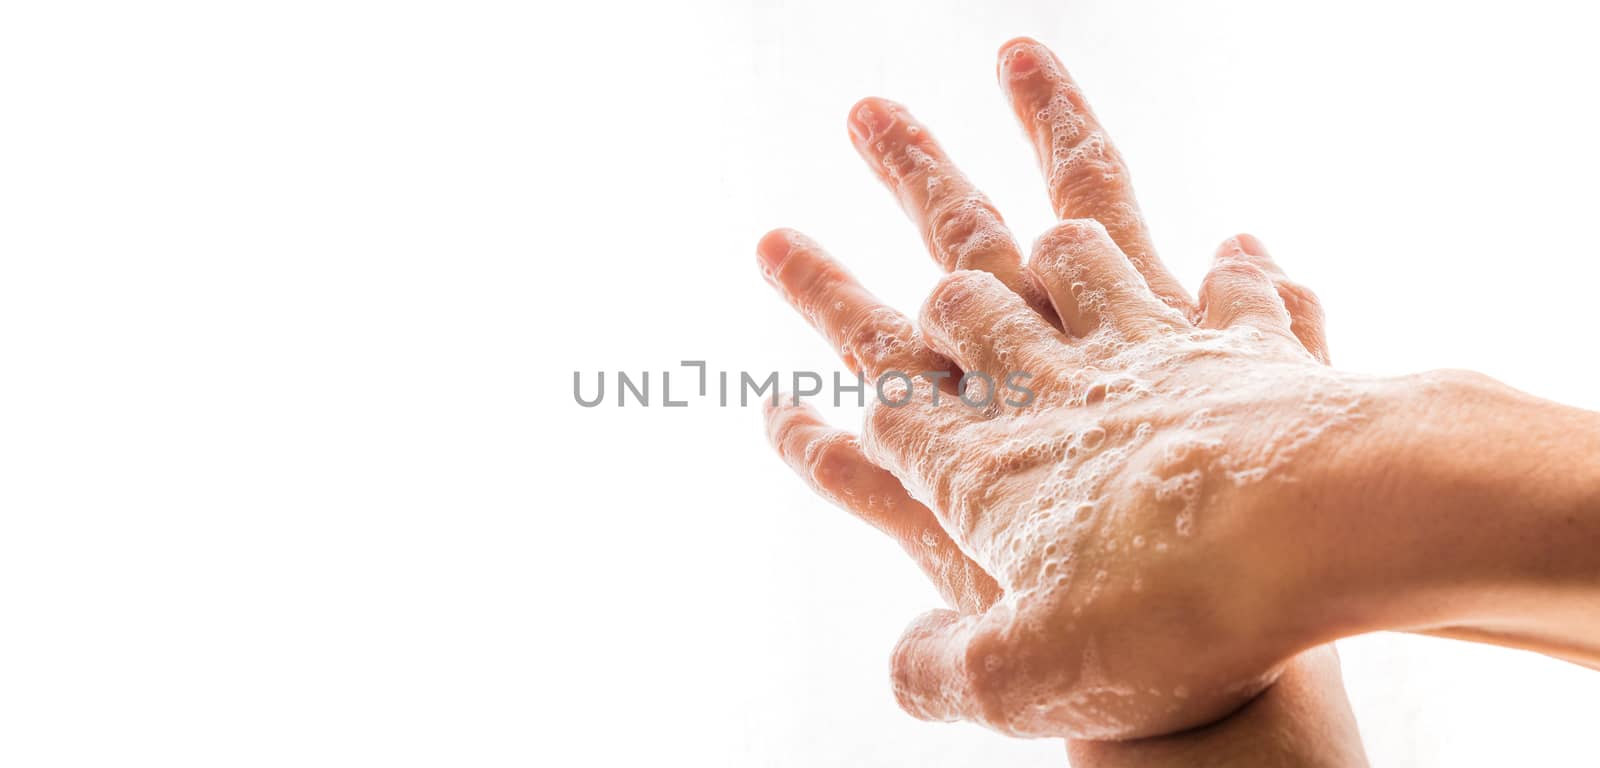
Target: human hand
<point>1113,512</point>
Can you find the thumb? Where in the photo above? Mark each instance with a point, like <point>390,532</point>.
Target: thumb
<point>948,666</point>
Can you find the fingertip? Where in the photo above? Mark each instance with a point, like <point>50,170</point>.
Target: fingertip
<point>1251,244</point>
<point>774,249</point>
<point>1020,43</point>
<point>1248,248</point>
<point>1018,57</point>
<point>784,405</point>
<point>1242,245</point>
<point>771,410</point>
<point>1016,41</point>
<point>781,414</point>
<point>871,118</point>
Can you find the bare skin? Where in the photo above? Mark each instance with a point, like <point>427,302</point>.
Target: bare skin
<point>1093,506</point>
<point>1193,497</point>
<point>1302,721</point>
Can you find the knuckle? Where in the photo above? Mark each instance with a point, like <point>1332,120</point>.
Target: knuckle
<point>965,230</point>
<point>954,295</point>
<point>874,333</point>
<point>882,421</point>
<point>1063,108</point>
<point>1238,270</point>
<point>819,279</point>
<point>1065,243</point>
<point>982,662</point>
<point>964,497</point>
<point>1086,167</point>
<point>905,164</point>
<point>1299,298</point>
<point>991,682</point>
<point>893,420</point>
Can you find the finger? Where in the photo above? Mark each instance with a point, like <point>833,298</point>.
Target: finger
<point>1236,292</point>
<point>948,666</point>
<point>832,462</point>
<point>1086,176</point>
<point>976,321</point>
<point>929,667</point>
<point>870,335</point>
<point>1092,285</point>
<point>1305,310</point>
<point>873,338</point>
<point>959,225</point>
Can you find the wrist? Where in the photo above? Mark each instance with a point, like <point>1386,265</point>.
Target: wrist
<point>1303,719</point>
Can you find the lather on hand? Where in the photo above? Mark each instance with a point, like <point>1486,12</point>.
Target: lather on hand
<point>1193,497</point>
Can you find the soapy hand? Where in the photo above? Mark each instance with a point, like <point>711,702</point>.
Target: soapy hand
<point>1114,511</point>
<point>1095,538</point>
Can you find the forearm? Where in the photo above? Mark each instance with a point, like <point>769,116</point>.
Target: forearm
<point>1474,513</point>
<point>1302,720</point>
<point>1455,506</point>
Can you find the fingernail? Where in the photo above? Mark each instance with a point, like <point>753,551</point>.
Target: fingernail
<point>1019,60</point>
<point>857,133</point>
<point>1251,246</point>
<point>1230,249</point>
<point>870,120</point>
<point>772,251</point>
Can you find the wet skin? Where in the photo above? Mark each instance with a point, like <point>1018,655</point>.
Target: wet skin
<point>1194,497</point>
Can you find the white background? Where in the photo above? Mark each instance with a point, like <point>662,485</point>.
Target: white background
<point>292,295</point>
